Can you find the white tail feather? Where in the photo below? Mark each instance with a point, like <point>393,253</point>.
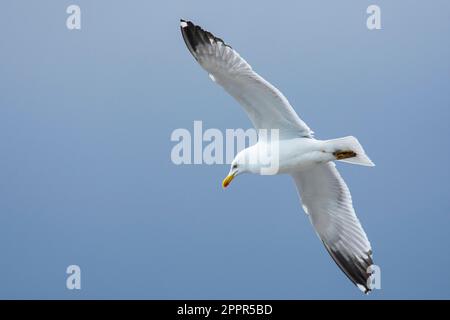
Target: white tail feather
<point>350,143</point>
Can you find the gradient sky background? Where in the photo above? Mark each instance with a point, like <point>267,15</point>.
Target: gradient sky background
<point>85,170</point>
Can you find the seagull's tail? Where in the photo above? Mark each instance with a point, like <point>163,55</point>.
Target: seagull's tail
<point>348,149</point>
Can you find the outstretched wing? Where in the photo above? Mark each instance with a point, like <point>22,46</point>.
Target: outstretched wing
<point>265,105</point>
<point>327,201</point>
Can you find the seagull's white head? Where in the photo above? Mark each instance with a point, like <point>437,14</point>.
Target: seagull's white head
<point>239,165</point>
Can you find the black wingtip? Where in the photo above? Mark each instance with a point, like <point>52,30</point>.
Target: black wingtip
<point>188,31</point>
<point>354,269</point>
<point>195,35</point>
<point>184,23</point>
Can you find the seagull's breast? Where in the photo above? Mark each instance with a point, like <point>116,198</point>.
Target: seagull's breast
<point>299,154</point>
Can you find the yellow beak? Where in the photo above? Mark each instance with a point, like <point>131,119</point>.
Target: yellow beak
<point>228,180</point>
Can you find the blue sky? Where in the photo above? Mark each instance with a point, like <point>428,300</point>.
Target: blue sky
<point>85,170</point>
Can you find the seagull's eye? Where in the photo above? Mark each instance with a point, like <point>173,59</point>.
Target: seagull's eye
<point>234,166</point>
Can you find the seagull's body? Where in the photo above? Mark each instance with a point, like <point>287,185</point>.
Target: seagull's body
<point>295,154</point>
<point>325,196</point>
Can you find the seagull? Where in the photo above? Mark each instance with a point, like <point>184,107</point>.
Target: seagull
<point>323,193</point>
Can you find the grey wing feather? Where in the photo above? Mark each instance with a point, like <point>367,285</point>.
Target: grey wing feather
<point>327,200</point>
<point>265,105</point>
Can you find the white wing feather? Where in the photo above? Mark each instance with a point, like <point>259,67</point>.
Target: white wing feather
<point>327,201</point>
<point>265,105</point>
